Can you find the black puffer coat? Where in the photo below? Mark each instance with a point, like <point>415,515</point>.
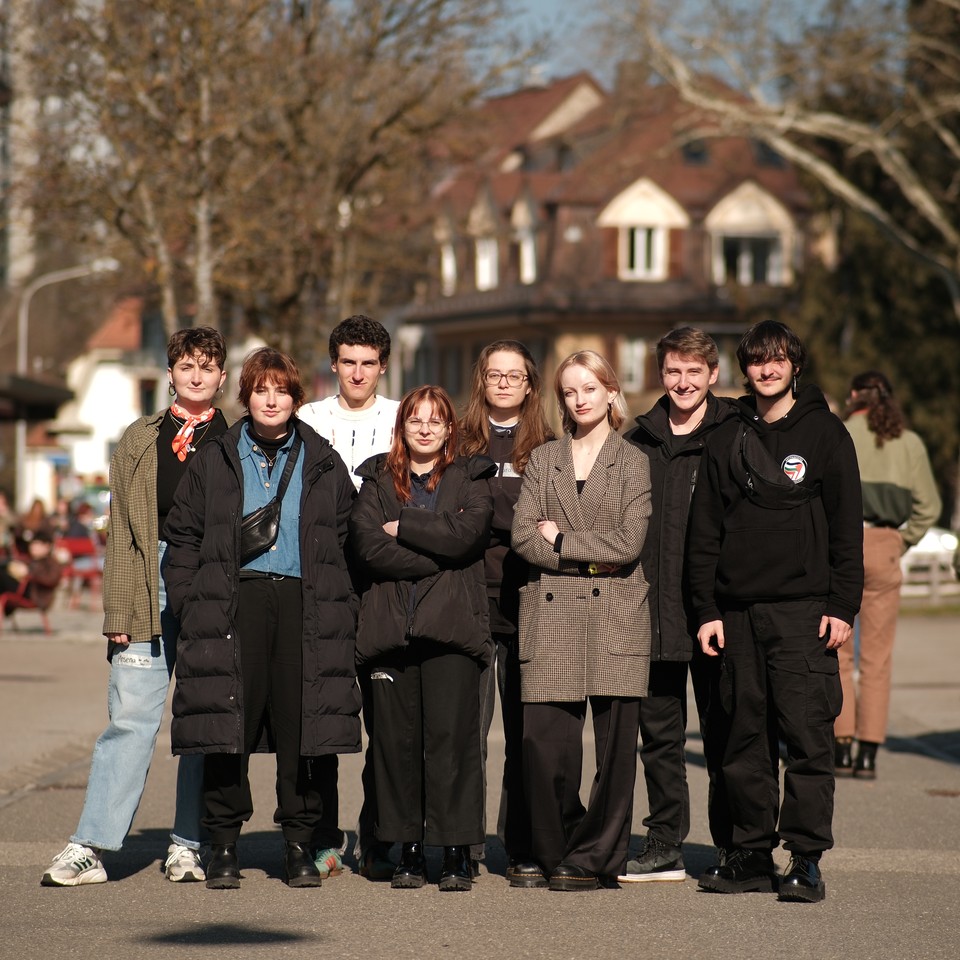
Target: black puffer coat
<point>201,572</point>
<point>427,581</point>
<point>673,476</point>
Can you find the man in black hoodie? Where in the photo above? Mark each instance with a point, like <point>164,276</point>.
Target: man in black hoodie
<point>775,567</point>
<point>672,435</point>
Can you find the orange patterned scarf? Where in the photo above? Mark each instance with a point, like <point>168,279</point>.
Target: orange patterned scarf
<point>181,442</point>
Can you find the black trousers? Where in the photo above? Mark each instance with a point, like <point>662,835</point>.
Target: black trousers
<point>595,838</point>
<point>663,724</point>
<point>503,675</point>
<point>367,821</point>
<point>426,746</point>
<point>779,680</point>
<point>271,662</point>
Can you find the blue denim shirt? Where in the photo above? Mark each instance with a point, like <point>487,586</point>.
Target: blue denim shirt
<point>259,488</point>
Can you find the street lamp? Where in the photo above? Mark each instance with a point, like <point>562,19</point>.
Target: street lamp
<point>100,265</point>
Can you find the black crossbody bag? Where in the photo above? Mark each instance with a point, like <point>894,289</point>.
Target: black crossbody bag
<point>259,530</point>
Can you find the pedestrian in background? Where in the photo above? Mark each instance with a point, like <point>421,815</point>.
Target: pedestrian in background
<point>580,522</point>
<point>900,503</point>
<point>504,420</point>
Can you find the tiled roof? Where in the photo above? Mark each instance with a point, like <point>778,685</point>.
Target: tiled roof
<point>122,330</point>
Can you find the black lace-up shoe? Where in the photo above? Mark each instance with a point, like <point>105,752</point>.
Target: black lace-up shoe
<point>456,874</point>
<point>223,871</point>
<point>865,766</point>
<point>526,873</point>
<point>843,756</point>
<point>801,881</point>
<point>742,871</point>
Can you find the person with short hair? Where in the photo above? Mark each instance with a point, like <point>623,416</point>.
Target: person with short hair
<point>359,424</point>
<point>150,460</point>
<point>267,643</point>
<point>580,522</point>
<point>419,530</point>
<point>775,565</point>
<point>672,434</point>
<point>504,420</point>
<point>40,568</point>
<point>900,503</point>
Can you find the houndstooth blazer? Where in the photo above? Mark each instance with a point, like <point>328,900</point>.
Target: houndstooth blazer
<point>583,635</point>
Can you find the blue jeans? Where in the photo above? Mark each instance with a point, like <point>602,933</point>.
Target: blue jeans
<point>136,697</point>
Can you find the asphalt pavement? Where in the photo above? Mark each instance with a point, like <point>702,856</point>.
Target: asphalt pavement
<point>892,880</point>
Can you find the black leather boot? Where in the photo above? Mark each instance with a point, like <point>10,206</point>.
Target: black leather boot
<point>742,871</point>
<point>411,872</point>
<point>223,870</point>
<point>801,881</point>
<point>865,766</point>
<point>456,873</point>
<point>299,868</point>
<point>843,756</point>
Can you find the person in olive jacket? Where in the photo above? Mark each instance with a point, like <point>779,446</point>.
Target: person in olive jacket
<point>418,531</point>
<point>267,642</point>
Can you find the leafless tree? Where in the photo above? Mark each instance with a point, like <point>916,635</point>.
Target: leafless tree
<point>776,70</point>
<point>244,148</point>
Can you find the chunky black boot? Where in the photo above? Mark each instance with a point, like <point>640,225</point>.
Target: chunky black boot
<point>801,881</point>
<point>411,872</point>
<point>223,870</point>
<point>456,873</point>
<point>865,766</point>
<point>742,871</point>
<point>299,868</point>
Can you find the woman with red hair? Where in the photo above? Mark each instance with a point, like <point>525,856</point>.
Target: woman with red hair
<point>419,529</point>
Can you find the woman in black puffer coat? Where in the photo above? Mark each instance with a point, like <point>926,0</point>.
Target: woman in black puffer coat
<point>267,642</point>
<point>418,530</point>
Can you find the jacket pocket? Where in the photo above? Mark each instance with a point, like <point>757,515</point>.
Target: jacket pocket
<point>757,562</point>
<point>529,617</point>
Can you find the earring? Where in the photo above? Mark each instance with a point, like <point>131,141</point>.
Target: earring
<point>795,385</point>
<point>170,389</point>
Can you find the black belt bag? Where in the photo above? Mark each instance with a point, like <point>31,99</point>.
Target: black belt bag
<point>259,530</point>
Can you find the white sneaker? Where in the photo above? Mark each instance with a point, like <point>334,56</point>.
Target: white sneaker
<point>73,866</point>
<point>183,864</point>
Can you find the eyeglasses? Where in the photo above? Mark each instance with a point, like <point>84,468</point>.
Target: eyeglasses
<point>415,424</point>
<point>513,377</point>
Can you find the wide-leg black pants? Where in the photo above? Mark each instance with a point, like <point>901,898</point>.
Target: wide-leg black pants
<point>595,838</point>
<point>270,618</point>
<point>426,746</point>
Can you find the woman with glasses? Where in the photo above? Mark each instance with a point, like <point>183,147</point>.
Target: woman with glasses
<point>504,420</point>
<point>584,630</point>
<point>418,530</point>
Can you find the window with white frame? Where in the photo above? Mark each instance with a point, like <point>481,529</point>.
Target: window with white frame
<point>527,250</point>
<point>749,260</point>
<point>487,252</point>
<point>632,356</point>
<point>448,269</point>
<point>643,253</point>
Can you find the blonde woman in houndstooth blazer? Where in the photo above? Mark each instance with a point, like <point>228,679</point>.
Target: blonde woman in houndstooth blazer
<point>580,521</point>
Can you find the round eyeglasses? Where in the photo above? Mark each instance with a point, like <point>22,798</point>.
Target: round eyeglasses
<point>415,424</point>
<point>513,377</point>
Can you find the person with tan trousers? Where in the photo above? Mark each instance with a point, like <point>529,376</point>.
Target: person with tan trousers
<point>900,503</point>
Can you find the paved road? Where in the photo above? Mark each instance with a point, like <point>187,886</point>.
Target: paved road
<point>892,881</point>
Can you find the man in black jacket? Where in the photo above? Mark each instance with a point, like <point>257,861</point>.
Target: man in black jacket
<point>672,435</point>
<point>776,575</point>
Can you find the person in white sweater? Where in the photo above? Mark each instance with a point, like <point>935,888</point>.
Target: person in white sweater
<point>359,424</point>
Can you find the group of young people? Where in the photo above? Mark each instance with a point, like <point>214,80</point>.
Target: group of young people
<point>314,557</point>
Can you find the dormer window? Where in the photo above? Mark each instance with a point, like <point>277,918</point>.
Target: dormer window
<point>448,269</point>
